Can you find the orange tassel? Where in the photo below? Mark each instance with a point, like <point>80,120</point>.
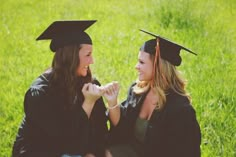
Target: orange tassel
<point>157,56</point>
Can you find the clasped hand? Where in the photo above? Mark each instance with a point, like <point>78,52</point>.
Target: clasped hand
<point>111,91</point>
<point>92,92</point>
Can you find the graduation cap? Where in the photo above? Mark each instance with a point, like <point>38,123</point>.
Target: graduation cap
<point>64,33</point>
<point>168,50</point>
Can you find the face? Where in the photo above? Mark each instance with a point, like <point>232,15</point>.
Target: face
<point>86,58</point>
<point>144,66</point>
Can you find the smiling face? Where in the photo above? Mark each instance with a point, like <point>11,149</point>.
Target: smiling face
<point>85,59</point>
<point>144,66</point>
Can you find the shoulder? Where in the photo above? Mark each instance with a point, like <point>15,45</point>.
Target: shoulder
<point>37,91</point>
<point>179,105</point>
<point>40,99</point>
<point>180,113</point>
<point>176,100</point>
<point>39,86</point>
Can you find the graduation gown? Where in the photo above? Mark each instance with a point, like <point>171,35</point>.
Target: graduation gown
<point>171,132</point>
<point>48,130</point>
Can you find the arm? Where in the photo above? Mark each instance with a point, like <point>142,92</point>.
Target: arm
<point>98,126</point>
<point>114,115</point>
<point>91,94</point>
<point>121,127</point>
<point>98,121</point>
<point>111,94</point>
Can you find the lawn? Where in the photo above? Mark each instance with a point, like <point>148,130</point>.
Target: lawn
<point>206,27</point>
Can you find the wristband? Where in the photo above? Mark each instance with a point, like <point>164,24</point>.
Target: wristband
<point>112,107</point>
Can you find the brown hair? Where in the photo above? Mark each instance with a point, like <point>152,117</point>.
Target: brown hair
<point>64,76</point>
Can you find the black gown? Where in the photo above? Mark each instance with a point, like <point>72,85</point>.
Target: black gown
<point>171,132</point>
<point>47,130</point>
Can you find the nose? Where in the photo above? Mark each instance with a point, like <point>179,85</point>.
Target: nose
<point>91,60</point>
<point>137,66</point>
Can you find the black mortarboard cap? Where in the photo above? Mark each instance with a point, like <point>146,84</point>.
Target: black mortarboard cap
<point>64,33</point>
<point>168,50</point>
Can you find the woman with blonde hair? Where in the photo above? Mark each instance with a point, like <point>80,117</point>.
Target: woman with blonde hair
<point>157,118</point>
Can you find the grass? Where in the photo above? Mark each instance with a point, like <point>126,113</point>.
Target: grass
<point>207,27</point>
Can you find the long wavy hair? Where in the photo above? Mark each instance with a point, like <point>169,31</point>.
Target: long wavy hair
<point>165,77</point>
<point>64,77</point>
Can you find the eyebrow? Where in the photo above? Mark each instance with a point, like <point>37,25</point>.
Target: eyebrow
<point>140,60</point>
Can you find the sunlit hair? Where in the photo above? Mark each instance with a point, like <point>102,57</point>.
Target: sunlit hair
<point>165,77</point>
<point>64,74</point>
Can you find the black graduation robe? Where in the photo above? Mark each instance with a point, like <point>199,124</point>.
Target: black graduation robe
<point>48,130</point>
<point>172,132</point>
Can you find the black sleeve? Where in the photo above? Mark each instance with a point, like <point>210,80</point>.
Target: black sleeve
<point>98,121</point>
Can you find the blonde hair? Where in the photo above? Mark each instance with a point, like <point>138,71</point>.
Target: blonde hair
<point>165,77</point>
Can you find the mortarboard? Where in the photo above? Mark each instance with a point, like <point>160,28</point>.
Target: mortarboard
<point>168,50</point>
<point>64,33</point>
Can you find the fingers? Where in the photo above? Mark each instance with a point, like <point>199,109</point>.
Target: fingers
<point>85,87</point>
<point>93,89</point>
<point>116,86</point>
<point>98,90</point>
<point>101,90</point>
<point>111,88</point>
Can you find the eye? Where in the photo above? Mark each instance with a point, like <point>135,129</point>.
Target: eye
<point>141,62</point>
<point>89,54</point>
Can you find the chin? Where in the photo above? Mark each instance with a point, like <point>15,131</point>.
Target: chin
<point>83,75</point>
<point>140,78</point>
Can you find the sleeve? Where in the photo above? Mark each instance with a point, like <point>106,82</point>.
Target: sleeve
<point>184,134</point>
<point>99,128</point>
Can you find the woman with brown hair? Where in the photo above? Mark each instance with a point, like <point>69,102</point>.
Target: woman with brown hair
<point>157,119</point>
<point>64,111</point>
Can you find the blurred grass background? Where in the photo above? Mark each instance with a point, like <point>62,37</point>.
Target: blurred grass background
<point>208,27</point>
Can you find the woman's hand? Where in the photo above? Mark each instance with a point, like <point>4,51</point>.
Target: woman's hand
<point>111,91</point>
<point>91,94</point>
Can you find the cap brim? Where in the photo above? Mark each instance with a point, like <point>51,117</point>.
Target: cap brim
<point>60,27</point>
<point>158,36</point>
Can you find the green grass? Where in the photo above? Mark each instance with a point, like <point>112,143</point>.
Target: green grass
<point>207,27</point>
